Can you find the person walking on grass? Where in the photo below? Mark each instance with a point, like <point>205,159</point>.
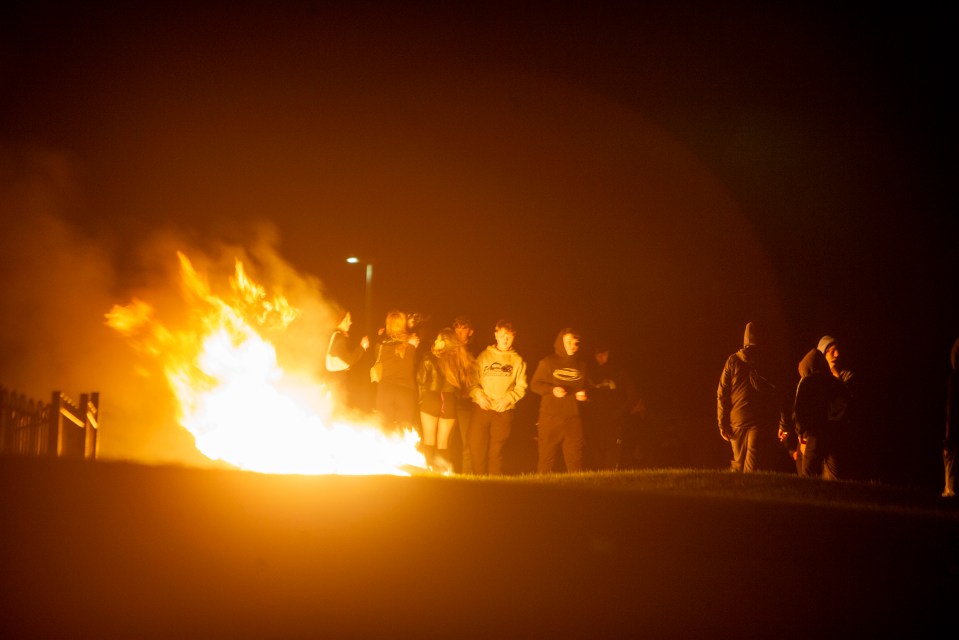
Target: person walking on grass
<point>749,406</point>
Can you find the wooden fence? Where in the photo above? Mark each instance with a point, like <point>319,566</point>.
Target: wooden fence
<point>61,428</point>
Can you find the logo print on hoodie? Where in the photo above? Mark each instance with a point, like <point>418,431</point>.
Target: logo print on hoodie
<point>567,374</point>
<point>498,369</point>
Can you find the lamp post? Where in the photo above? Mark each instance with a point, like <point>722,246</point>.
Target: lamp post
<point>369,290</point>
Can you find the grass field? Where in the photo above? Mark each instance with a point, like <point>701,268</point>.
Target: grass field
<point>129,551</point>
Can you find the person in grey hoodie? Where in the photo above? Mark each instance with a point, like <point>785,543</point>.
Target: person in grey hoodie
<point>560,380</point>
<point>500,384</point>
<point>749,407</point>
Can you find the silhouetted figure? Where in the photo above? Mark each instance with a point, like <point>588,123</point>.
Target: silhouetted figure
<point>442,376</point>
<point>560,381</point>
<point>500,383</point>
<point>341,357</point>
<point>819,415</point>
<point>749,406</point>
<point>608,441</point>
<point>396,365</point>
<point>853,457</point>
<point>950,445</point>
<point>463,327</point>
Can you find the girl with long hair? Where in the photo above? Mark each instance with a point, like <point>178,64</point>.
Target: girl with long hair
<point>445,374</point>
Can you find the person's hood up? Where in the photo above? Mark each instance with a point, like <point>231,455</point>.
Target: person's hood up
<point>749,336</point>
<point>558,345</point>
<point>812,362</point>
<point>954,355</point>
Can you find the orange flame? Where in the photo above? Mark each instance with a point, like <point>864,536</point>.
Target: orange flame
<point>238,403</point>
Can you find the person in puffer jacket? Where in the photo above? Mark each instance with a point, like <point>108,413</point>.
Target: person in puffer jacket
<point>749,407</point>
<point>560,380</point>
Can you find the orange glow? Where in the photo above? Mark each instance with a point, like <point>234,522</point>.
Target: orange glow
<point>236,400</point>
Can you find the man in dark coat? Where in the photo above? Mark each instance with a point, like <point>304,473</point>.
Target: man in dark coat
<point>749,406</point>
<point>819,416</point>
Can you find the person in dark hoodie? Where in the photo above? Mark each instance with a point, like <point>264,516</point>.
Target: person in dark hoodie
<point>950,445</point>
<point>819,415</point>
<point>560,380</point>
<point>749,407</point>
<point>613,402</point>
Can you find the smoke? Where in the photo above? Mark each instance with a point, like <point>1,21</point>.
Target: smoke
<point>61,277</point>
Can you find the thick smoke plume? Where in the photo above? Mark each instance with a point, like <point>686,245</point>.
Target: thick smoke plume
<point>61,278</point>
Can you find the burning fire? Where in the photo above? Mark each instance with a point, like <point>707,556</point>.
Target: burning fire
<point>236,400</point>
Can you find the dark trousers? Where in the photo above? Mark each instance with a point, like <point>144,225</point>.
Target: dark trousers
<point>489,431</point>
<point>464,419</point>
<point>820,457</point>
<point>603,439</point>
<point>560,433</point>
<point>396,406</point>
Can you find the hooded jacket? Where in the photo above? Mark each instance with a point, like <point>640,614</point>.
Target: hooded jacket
<point>821,399</point>
<point>500,374</point>
<point>745,398</point>
<point>559,370</point>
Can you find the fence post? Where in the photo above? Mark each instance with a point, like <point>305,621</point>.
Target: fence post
<point>90,408</point>
<point>54,426</point>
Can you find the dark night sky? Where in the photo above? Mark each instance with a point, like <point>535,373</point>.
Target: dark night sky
<point>657,175</point>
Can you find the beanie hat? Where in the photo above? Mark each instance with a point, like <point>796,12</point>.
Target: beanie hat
<point>824,343</point>
<point>749,337</point>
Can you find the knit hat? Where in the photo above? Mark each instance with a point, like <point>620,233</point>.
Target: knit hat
<point>749,337</point>
<point>824,343</point>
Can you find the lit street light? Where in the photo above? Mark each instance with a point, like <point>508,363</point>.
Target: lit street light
<point>369,290</point>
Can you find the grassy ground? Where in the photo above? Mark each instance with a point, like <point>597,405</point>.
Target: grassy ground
<point>129,551</point>
<point>767,487</point>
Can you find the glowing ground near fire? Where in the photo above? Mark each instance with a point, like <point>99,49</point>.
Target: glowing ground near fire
<point>237,401</point>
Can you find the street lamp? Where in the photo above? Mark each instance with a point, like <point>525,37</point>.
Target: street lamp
<point>369,290</point>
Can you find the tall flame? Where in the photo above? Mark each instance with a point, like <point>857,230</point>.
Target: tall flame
<point>233,396</point>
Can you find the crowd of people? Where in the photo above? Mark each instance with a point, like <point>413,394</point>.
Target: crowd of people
<point>448,391</point>
<point>589,408</point>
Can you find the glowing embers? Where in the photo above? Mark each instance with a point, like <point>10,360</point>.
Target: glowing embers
<point>237,401</point>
